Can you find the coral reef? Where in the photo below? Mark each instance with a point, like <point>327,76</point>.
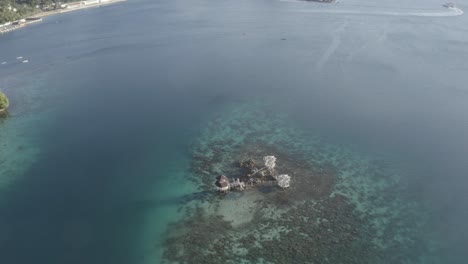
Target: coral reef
<point>341,207</point>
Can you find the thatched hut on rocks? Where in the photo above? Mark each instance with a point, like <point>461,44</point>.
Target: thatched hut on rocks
<point>254,177</point>
<point>222,183</point>
<point>283,180</point>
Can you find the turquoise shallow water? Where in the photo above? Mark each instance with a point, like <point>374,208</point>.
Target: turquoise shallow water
<point>97,154</point>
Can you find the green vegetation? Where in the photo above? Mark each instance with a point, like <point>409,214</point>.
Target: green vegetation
<point>12,10</point>
<point>3,101</point>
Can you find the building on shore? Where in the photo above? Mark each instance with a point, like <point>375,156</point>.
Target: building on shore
<point>75,4</point>
<point>92,2</point>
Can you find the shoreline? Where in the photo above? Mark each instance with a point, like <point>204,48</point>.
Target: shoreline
<point>39,16</point>
<point>59,11</point>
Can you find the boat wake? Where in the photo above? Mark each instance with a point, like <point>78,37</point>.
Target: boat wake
<point>450,12</point>
<point>336,41</point>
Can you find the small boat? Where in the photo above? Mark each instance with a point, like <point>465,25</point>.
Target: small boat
<point>19,58</point>
<point>3,62</point>
<point>25,61</point>
<point>449,5</point>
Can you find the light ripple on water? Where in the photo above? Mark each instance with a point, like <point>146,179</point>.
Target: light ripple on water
<point>333,9</point>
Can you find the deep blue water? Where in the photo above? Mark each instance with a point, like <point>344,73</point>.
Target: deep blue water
<point>113,96</point>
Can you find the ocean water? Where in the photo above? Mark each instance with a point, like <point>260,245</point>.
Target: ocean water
<point>126,112</point>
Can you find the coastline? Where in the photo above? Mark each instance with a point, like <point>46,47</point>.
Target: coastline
<point>39,16</point>
<point>59,11</point>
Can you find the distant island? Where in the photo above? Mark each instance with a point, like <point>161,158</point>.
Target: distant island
<point>320,1</point>
<point>4,102</point>
<point>15,14</point>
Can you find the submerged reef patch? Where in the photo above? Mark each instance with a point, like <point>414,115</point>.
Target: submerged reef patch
<point>17,151</point>
<point>341,206</point>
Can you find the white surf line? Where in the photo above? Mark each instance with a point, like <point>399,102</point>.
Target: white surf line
<point>336,41</point>
<point>451,13</point>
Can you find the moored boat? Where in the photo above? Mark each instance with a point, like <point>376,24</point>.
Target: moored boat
<point>449,5</point>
